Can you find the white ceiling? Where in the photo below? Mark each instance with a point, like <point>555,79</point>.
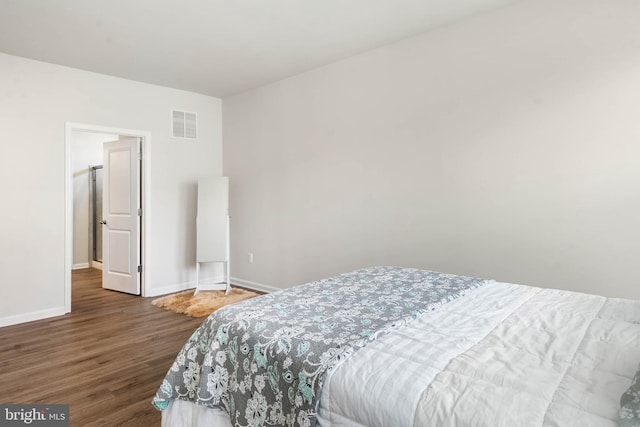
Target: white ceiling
<point>215,47</point>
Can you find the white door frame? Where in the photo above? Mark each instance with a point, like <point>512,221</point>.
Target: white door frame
<point>68,207</point>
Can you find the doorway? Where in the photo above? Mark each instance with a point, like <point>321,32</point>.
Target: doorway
<point>72,153</point>
<point>95,216</point>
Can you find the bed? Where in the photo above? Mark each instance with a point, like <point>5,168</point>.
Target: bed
<point>391,346</point>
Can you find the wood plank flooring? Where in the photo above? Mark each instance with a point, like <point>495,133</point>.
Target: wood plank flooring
<point>106,359</point>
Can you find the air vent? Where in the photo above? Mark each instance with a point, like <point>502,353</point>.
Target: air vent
<point>184,124</point>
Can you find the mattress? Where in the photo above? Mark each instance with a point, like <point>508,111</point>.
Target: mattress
<point>501,355</point>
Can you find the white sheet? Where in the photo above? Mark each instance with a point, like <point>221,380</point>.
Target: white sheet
<point>503,355</point>
<point>383,384</point>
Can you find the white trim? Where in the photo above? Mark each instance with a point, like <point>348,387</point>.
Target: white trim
<point>80,266</point>
<point>255,286</point>
<point>216,280</point>
<point>69,127</point>
<point>97,265</point>
<point>214,286</point>
<point>171,289</point>
<point>179,287</point>
<point>30,317</point>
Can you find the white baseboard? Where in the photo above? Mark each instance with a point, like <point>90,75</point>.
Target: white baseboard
<point>172,289</point>
<point>30,317</point>
<point>97,265</point>
<point>154,292</point>
<point>180,287</point>
<point>253,285</point>
<point>80,266</point>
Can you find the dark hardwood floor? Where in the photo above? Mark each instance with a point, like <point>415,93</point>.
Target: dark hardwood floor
<point>106,359</point>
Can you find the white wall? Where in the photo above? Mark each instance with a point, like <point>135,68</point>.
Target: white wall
<point>86,149</point>
<point>506,147</point>
<point>36,99</point>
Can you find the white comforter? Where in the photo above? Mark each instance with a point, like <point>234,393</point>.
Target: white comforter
<point>503,355</point>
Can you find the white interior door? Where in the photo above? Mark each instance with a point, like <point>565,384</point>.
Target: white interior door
<point>121,216</point>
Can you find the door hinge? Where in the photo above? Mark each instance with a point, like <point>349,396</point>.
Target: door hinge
<point>139,155</point>
<point>139,211</point>
<point>139,269</point>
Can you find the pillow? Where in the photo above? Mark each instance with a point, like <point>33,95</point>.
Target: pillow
<point>629,415</point>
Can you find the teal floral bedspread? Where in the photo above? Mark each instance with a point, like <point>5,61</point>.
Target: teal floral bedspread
<point>630,404</point>
<point>264,360</point>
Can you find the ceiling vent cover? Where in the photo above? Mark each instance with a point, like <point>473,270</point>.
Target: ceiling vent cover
<point>184,124</point>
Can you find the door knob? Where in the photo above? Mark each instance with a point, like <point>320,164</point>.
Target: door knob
<point>103,222</point>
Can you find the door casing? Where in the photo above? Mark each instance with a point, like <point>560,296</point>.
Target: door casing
<point>145,137</point>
